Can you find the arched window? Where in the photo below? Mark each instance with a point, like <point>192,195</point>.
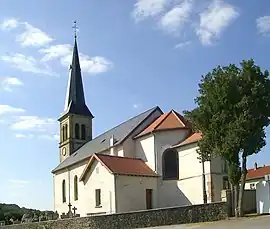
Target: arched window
<point>65,132</point>
<point>64,191</point>
<point>77,131</point>
<point>170,165</point>
<point>76,188</point>
<point>62,134</point>
<point>83,132</point>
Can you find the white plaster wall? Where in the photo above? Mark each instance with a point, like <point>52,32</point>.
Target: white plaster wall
<point>98,177</point>
<point>59,206</point>
<point>188,189</point>
<point>128,148</point>
<point>129,145</point>
<point>263,197</point>
<point>119,151</point>
<point>131,192</point>
<point>165,139</point>
<point>217,187</point>
<point>145,149</point>
<point>180,192</point>
<point>253,181</point>
<point>218,171</point>
<point>85,201</point>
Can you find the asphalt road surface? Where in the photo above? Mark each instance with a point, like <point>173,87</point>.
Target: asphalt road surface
<point>260,222</point>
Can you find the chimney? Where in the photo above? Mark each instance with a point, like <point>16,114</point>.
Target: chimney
<point>112,141</point>
<point>255,165</point>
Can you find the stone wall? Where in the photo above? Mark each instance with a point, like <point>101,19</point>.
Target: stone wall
<point>249,201</point>
<point>149,218</point>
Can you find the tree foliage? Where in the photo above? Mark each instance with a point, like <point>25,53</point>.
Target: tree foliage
<point>232,113</point>
<point>14,212</point>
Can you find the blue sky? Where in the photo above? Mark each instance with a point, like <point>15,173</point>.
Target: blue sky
<point>134,55</point>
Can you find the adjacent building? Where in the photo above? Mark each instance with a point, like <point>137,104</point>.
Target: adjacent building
<point>255,175</point>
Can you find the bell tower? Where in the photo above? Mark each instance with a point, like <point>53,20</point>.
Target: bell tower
<point>76,120</point>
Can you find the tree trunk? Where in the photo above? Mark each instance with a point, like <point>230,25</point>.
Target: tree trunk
<point>236,195</point>
<point>242,186</point>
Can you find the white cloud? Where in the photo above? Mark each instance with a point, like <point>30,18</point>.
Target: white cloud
<point>54,137</point>
<point>174,19</point>
<point>214,20</point>
<point>148,8</point>
<point>7,109</point>
<point>13,181</point>
<point>263,25</point>
<point>23,136</point>
<point>26,64</point>
<point>182,44</point>
<point>15,184</point>
<point>136,105</point>
<point>34,123</point>
<point>9,82</point>
<point>35,127</point>
<point>56,51</point>
<point>48,137</point>
<point>33,36</point>
<point>96,64</point>
<point>9,24</point>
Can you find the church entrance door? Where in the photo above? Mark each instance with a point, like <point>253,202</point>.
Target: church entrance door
<point>149,198</point>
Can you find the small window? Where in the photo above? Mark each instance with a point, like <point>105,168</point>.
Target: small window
<point>62,134</point>
<point>252,186</point>
<point>75,188</point>
<point>83,134</point>
<point>226,183</point>
<point>77,131</point>
<point>98,197</point>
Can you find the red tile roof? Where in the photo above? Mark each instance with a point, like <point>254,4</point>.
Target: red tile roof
<point>169,120</point>
<point>194,137</point>
<point>260,172</point>
<point>120,165</point>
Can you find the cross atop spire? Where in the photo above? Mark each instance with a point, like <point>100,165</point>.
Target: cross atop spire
<point>75,101</point>
<point>75,27</point>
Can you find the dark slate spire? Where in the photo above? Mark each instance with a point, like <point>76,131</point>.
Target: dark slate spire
<point>75,101</point>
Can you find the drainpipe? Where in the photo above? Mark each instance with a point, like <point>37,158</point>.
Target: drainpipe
<point>156,161</point>
<point>68,185</point>
<point>155,151</point>
<point>203,180</point>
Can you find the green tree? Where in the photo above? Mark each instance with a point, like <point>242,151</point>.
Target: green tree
<point>232,113</point>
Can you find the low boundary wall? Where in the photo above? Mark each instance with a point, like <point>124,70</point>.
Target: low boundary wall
<point>138,219</point>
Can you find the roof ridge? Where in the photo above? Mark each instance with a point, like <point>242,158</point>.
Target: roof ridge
<point>266,166</point>
<point>108,155</point>
<point>164,118</point>
<point>177,114</point>
<point>153,108</point>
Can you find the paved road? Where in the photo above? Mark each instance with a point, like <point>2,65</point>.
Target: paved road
<point>262,222</point>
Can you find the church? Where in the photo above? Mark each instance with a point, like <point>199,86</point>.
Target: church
<point>149,161</point>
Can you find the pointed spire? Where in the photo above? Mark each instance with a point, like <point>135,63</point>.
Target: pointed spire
<point>75,101</point>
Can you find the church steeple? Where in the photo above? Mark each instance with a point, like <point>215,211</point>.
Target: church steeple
<point>75,101</point>
<point>76,121</point>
